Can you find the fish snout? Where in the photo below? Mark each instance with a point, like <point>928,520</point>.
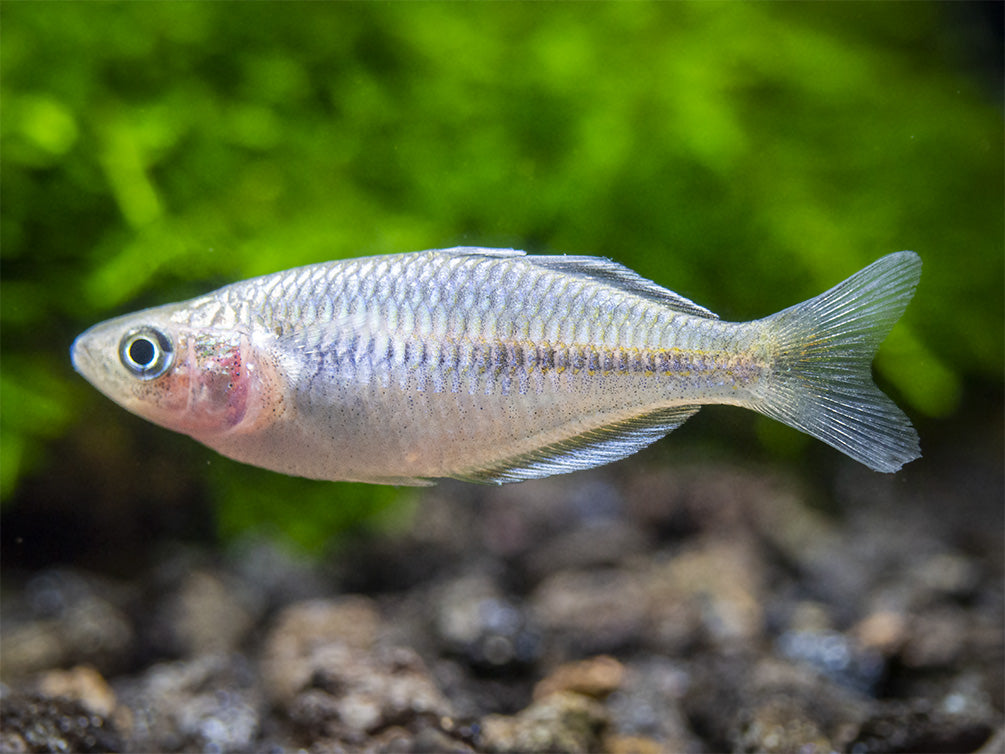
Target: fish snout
<point>80,356</point>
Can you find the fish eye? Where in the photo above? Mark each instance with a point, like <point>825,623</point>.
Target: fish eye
<point>146,352</point>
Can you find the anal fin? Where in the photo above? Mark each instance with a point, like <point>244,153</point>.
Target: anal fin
<point>594,447</point>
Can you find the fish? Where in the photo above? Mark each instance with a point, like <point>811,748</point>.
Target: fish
<point>492,366</point>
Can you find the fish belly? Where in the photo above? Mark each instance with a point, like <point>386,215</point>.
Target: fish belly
<point>480,424</point>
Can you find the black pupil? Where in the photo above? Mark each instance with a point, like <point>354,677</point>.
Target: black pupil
<point>142,352</point>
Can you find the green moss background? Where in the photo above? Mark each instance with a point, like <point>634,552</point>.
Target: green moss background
<point>746,155</point>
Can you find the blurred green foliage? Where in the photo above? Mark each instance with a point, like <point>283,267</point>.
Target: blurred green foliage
<point>745,155</point>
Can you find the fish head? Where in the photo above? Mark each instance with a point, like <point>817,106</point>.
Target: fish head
<point>203,381</point>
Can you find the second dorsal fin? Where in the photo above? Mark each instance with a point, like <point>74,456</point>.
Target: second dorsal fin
<point>599,269</point>
<point>619,276</point>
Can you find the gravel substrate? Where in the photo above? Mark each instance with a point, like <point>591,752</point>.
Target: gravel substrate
<point>698,608</point>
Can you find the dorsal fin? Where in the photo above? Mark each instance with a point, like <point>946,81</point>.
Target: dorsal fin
<point>619,276</point>
<point>601,270</point>
<point>479,251</point>
<point>593,447</point>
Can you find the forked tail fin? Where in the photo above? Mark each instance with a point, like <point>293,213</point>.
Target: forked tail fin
<point>821,380</point>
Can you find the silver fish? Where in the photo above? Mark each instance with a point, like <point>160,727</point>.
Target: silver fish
<point>489,365</point>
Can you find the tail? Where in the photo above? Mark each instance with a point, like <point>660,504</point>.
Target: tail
<point>821,381</point>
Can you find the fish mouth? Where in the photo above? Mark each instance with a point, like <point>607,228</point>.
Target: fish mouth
<point>80,356</point>
<point>86,357</point>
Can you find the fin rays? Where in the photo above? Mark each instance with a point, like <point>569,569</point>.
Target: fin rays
<point>593,447</point>
<point>821,381</point>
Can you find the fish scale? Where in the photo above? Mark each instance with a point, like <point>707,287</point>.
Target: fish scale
<point>492,366</point>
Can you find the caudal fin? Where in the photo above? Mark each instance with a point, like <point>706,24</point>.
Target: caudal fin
<point>821,380</point>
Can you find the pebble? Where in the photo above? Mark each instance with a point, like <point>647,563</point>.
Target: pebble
<point>211,612</point>
<point>711,590</point>
<point>210,703</point>
<point>305,631</point>
<point>771,705</point>
<point>475,621</point>
<point>333,690</point>
<point>909,726</point>
<point>38,723</point>
<point>782,725</point>
<point>83,684</point>
<point>647,706</point>
<point>635,745</point>
<point>835,655</point>
<point>883,631</point>
<point>596,677</point>
<point>72,619</point>
<point>560,722</point>
<point>936,638</point>
<point>595,612</point>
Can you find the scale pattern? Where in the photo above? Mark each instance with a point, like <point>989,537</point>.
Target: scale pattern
<point>491,365</point>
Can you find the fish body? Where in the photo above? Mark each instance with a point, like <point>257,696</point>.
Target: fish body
<point>490,365</point>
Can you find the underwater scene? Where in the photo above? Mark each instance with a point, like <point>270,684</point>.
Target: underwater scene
<point>732,585</point>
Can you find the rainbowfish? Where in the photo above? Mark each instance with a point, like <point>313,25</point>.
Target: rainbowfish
<point>489,365</point>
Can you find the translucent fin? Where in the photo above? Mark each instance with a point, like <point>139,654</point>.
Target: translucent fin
<point>821,380</point>
<point>399,481</point>
<point>599,269</point>
<point>594,447</point>
<point>617,275</point>
<point>477,251</point>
